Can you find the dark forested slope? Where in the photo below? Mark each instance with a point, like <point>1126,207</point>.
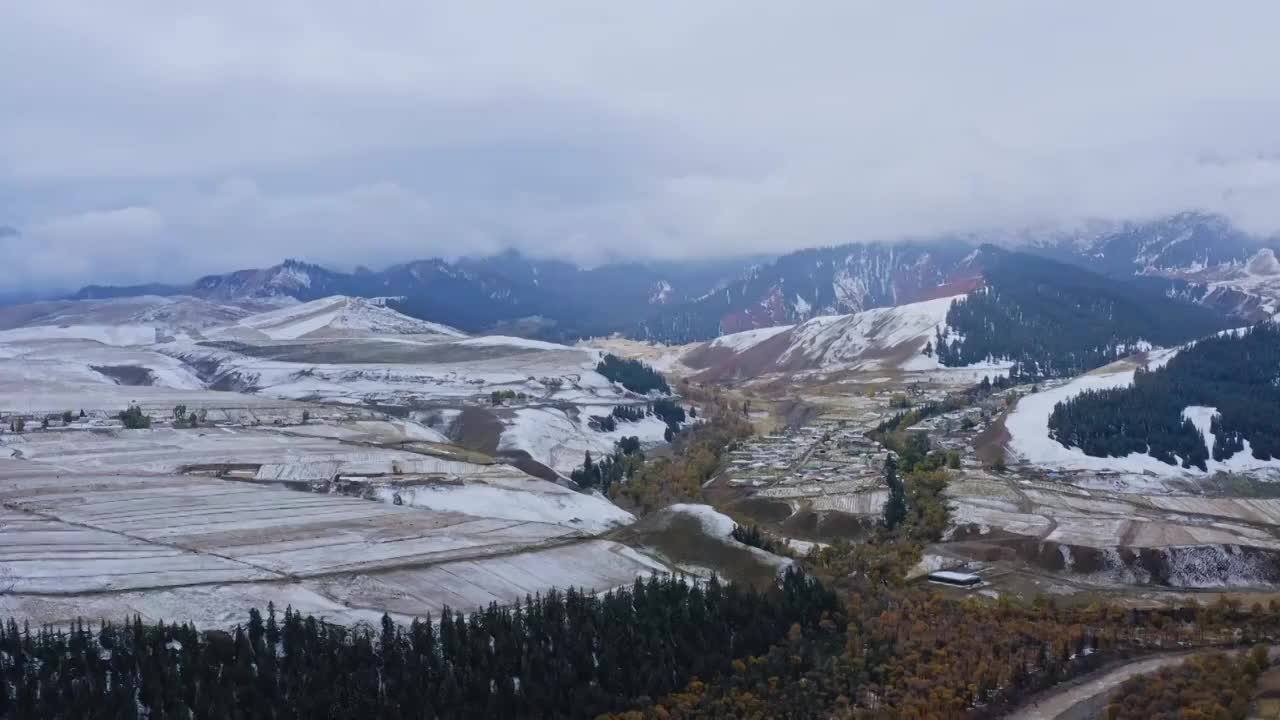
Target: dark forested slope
<point>562,655</point>
<point>1057,320</point>
<point>1236,373</point>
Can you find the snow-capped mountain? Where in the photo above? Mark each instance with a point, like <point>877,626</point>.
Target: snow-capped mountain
<point>824,281</point>
<point>1224,267</point>
<point>1040,316</point>
<point>1190,256</point>
<point>549,298</point>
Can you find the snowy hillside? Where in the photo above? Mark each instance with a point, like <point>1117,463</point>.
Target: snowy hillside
<point>166,314</point>
<point>881,339</point>
<point>520,396</point>
<point>336,316</point>
<point>1030,440</point>
<point>561,441</point>
<point>121,335</point>
<point>847,340</point>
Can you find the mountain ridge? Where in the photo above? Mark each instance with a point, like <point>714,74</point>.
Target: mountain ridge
<point>1194,256</point>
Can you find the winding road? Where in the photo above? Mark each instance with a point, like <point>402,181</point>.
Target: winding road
<point>1088,697</point>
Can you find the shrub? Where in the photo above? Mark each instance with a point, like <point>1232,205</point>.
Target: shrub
<point>133,419</point>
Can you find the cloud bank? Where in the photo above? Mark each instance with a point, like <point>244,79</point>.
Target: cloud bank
<point>143,142</point>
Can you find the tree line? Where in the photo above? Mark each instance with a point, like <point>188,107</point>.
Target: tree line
<point>572,655</point>
<point>1238,374</point>
<point>1205,687</point>
<point>668,411</point>
<point>632,375</point>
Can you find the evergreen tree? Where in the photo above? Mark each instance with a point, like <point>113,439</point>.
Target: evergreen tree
<point>1236,375</point>
<point>895,506</point>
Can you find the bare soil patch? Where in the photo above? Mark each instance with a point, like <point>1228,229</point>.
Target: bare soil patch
<point>131,375</point>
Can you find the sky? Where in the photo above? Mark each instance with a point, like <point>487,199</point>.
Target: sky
<point>144,141</point>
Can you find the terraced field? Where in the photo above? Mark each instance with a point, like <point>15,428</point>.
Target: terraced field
<point>141,539</point>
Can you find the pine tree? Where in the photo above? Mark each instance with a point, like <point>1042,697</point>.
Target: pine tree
<point>895,506</point>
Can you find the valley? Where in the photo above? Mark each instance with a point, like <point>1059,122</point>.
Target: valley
<point>621,361</point>
<point>182,459</point>
<point>352,458</point>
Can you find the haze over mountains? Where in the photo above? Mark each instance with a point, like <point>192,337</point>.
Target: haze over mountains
<point>1196,257</point>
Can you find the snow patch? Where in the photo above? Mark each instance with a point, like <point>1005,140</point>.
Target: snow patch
<point>531,501</point>
<point>551,437</point>
<point>509,341</point>
<point>117,335</point>
<point>749,338</point>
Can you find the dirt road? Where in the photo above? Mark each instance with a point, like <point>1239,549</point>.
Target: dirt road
<point>1075,703</point>
<point>1088,699</point>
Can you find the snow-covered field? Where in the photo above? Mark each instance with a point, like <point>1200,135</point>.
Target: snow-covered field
<point>145,540</point>
<point>122,335</point>
<point>1110,538</point>
<point>522,499</point>
<point>104,522</point>
<point>53,376</point>
<point>167,450</point>
<point>337,316</point>
<point>168,315</point>
<point>336,351</point>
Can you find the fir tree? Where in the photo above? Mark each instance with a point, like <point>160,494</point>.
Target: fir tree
<point>895,506</point>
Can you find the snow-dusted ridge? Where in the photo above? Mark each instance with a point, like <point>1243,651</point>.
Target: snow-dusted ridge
<point>890,338</point>
<point>336,316</point>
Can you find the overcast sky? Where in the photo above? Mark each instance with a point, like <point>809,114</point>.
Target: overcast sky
<point>143,141</point>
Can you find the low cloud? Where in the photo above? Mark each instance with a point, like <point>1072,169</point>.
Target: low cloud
<point>159,144</point>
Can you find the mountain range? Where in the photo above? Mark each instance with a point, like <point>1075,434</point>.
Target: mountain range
<point>1194,257</point>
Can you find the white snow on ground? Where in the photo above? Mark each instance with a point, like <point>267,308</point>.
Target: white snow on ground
<point>337,316</point>
<point>97,521</point>
<point>804,547</point>
<point>59,375</point>
<point>889,338</point>
<point>516,342</point>
<point>836,340</point>
<point>120,335</point>
<point>748,338</point>
<point>663,358</point>
<point>168,314</point>
<point>526,500</point>
<point>1243,461</point>
<point>720,526</point>
<point>74,360</point>
<point>1028,427</point>
<point>925,363</point>
<point>399,430</point>
<point>550,436</point>
<point>714,522</point>
<point>1028,424</point>
<point>166,450</point>
<point>394,383</point>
